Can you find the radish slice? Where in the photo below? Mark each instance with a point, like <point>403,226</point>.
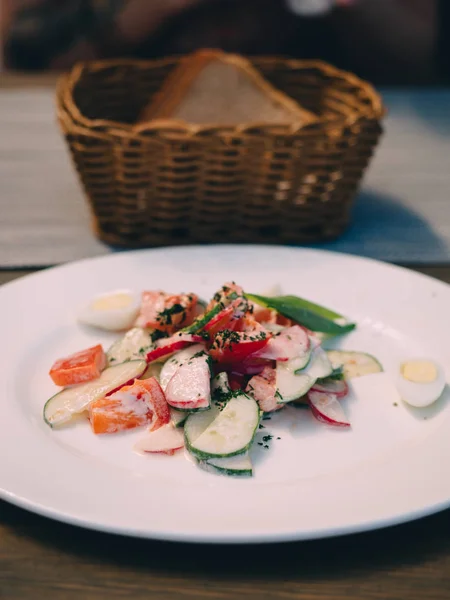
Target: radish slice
<point>331,386</point>
<point>165,440</point>
<point>190,386</point>
<point>171,365</point>
<point>167,346</point>
<point>290,343</point>
<point>327,409</point>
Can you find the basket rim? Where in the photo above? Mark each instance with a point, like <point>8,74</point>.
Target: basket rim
<point>67,110</point>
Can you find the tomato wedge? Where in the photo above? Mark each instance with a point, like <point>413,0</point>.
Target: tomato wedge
<point>234,346</point>
<point>79,367</point>
<point>227,318</point>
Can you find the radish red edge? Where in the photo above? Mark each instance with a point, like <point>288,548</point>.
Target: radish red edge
<point>338,388</point>
<point>166,346</point>
<point>327,409</point>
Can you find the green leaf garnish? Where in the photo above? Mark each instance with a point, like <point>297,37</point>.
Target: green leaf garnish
<point>310,315</point>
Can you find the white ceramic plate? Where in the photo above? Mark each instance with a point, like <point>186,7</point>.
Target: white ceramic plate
<point>313,482</point>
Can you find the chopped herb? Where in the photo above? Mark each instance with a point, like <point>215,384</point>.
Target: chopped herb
<point>278,438</point>
<point>266,418</point>
<point>261,426</point>
<point>395,404</point>
<point>267,438</point>
<point>165,316</point>
<point>112,359</point>
<point>278,395</point>
<point>220,395</point>
<point>210,363</point>
<point>157,334</point>
<point>266,447</point>
<point>260,444</point>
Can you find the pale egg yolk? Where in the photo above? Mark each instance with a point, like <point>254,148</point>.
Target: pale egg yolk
<point>113,302</point>
<point>419,371</point>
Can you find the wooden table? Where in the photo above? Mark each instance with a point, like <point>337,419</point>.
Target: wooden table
<point>40,558</point>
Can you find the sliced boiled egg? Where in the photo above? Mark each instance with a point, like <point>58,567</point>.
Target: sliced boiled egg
<point>114,311</point>
<point>420,382</point>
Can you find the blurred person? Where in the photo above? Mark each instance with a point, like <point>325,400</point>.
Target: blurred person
<point>387,41</point>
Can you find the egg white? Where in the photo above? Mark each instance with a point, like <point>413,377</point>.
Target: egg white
<point>112,311</point>
<point>421,395</point>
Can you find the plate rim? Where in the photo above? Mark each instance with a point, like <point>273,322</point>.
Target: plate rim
<point>202,538</point>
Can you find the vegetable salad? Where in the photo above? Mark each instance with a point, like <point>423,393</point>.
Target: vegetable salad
<point>201,376</point>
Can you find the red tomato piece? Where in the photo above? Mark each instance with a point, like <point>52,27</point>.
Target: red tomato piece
<point>79,367</point>
<point>141,403</point>
<point>237,381</point>
<point>227,318</point>
<point>166,312</point>
<point>234,346</point>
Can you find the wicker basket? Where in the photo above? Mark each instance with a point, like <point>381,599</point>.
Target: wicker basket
<point>170,183</point>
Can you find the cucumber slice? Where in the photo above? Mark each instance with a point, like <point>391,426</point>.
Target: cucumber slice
<point>178,418</point>
<point>197,423</point>
<point>220,388</point>
<point>131,346</point>
<point>319,366</point>
<point>220,383</point>
<point>152,370</point>
<point>289,385</point>
<point>230,433</point>
<point>234,466</point>
<point>301,362</point>
<point>293,382</point>
<point>61,407</point>
<point>171,365</point>
<point>355,364</point>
